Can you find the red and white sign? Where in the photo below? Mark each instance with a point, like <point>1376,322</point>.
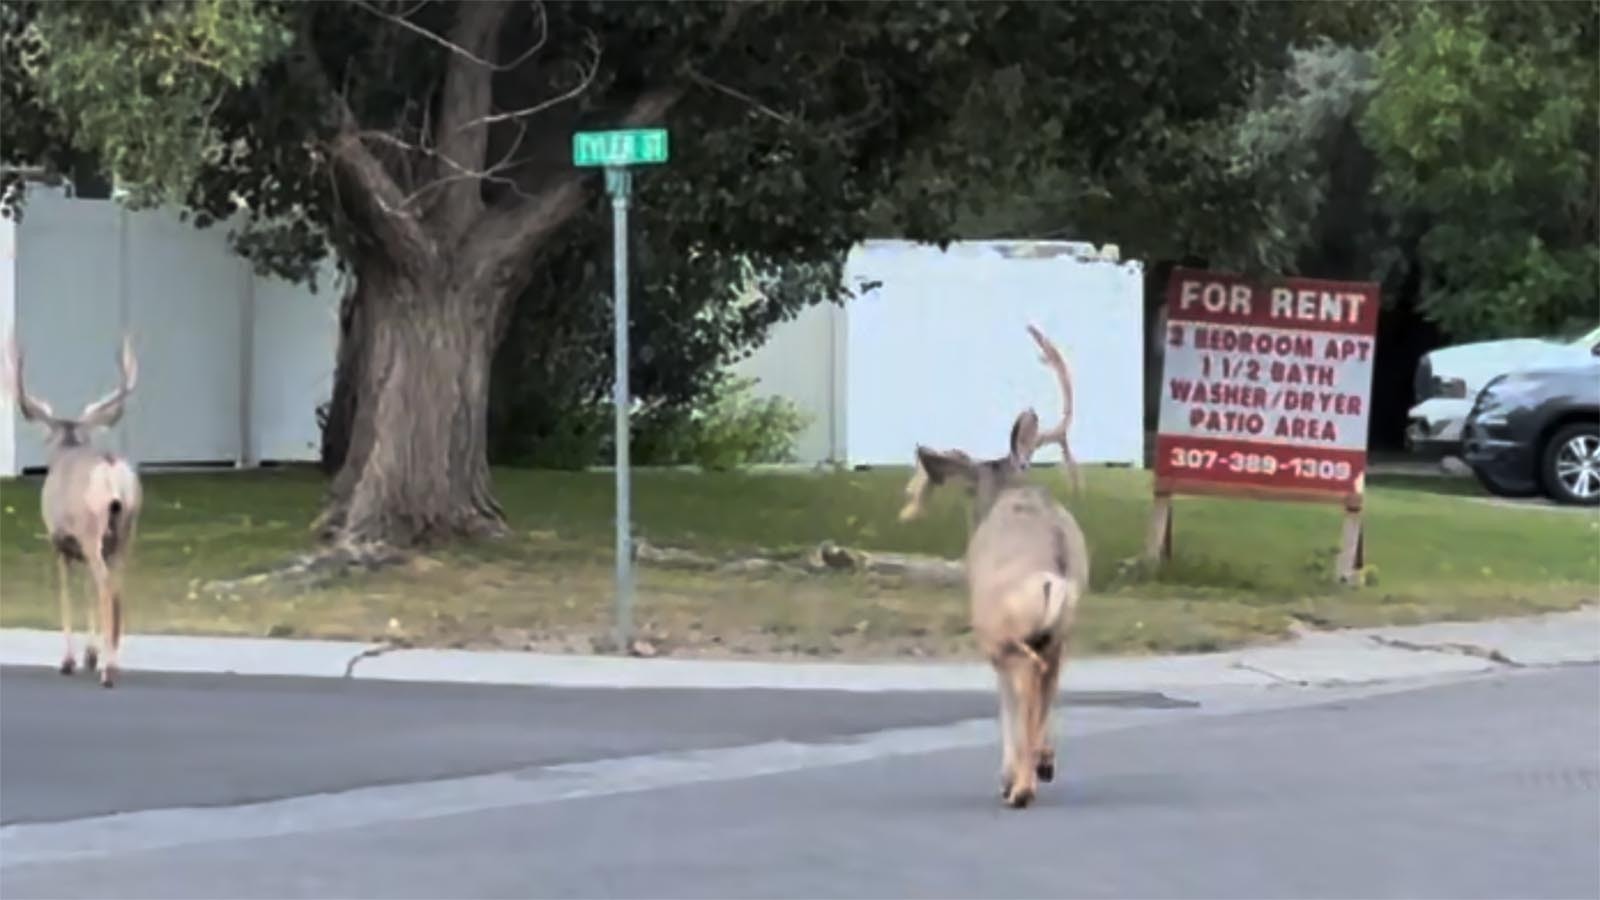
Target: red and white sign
<point>1266,385</point>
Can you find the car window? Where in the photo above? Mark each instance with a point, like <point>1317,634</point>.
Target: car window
<point>1589,338</point>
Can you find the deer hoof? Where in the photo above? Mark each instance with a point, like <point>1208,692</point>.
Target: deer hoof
<point>1019,797</point>
<point>67,666</point>
<point>1046,767</point>
<point>107,678</point>
<point>91,660</point>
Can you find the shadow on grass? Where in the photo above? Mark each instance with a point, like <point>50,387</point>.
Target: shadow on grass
<point>1438,485</point>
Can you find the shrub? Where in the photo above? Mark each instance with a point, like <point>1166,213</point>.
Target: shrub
<point>734,428</point>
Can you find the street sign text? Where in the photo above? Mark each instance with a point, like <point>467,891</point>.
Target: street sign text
<point>625,147</point>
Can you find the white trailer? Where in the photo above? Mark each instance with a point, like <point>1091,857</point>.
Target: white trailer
<point>934,350</point>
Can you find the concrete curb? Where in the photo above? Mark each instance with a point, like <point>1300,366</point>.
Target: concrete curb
<point>1362,656</point>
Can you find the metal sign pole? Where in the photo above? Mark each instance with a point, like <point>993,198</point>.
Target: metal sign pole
<point>618,151</point>
<point>619,181</point>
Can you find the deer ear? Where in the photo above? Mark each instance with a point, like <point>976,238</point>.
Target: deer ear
<point>934,467</point>
<point>943,465</point>
<point>1024,437</point>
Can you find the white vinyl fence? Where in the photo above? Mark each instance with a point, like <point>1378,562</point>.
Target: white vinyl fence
<point>231,365</point>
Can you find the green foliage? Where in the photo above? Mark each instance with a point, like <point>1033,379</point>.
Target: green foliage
<point>729,427</point>
<point>1047,144</point>
<point>733,429</point>
<point>1275,157</point>
<point>134,84</point>
<point>1486,128</point>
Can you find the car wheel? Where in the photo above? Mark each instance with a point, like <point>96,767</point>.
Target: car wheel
<point>1571,466</point>
<point>1499,488</point>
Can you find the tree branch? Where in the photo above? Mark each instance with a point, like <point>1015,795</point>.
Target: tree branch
<point>374,195</point>
<point>586,77</point>
<point>466,98</point>
<point>404,21</point>
<point>456,148</point>
<point>507,236</point>
<point>511,233</point>
<point>491,173</point>
<point>704,80</point>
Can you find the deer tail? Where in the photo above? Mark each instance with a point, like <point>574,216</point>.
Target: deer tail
<point>1060,600</point>
<point>116,485</point>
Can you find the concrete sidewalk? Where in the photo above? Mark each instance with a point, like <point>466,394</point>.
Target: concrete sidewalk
<point>1361,656</point>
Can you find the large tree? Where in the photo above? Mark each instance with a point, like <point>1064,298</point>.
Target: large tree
<point>1486,131</point>
<point>427,143</point>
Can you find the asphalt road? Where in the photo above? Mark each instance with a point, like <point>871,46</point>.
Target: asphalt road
<point>251,787</point>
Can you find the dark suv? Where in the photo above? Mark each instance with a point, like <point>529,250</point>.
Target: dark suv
<point>1538,430</point>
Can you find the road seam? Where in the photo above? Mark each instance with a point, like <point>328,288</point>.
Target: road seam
<point>1248,667</point>
<point>1462,648</point>
<point>377,650</point>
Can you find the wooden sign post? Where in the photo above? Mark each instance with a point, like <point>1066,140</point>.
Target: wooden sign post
<point>1265,394</point>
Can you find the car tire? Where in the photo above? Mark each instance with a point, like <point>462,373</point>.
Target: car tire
<point>1570,464</point>
<point>1500,489</point>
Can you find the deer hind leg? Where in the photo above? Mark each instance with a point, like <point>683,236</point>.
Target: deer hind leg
<point>116,610</point>
<point>105,596</point>
<point>91,631</point>
<point>1049,679</point>
<point>64,592</point>
<point>119,565</point>
<point>1008,716</point>
<point>1024,684</point>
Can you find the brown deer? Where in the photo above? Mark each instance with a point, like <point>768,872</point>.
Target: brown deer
<point>1027,566</point>
<point>90,504</point>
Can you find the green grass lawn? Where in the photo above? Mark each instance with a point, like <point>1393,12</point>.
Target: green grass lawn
<point>1243,571</point>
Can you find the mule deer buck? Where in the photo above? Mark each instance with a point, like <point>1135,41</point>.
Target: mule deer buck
<point>1027,566</point>
<point>90,504</point>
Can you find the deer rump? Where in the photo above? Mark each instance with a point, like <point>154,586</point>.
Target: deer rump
<point>1023,586</point>
<point>110,493</point>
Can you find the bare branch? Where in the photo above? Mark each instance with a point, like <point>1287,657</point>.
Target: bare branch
<point>378,196</point>
<point>415,8</point>
<point>512,232</point>
<point>458,172</point>
<point>585,79</point>
<point>544,34</point>
<point>403,20</point>
<point>491,173</point>
<point>520,230</point>
<point>843,127</point>
<point>456,145</point>
<point>704,80</point>
<point>869,115</point>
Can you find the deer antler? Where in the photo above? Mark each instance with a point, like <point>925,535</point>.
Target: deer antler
<point>1052,357</point>
<point>108,409</point>
<point>33,409</point>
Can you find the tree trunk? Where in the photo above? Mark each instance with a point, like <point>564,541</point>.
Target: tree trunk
<point>339,416</point>
<point>416,469</point>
